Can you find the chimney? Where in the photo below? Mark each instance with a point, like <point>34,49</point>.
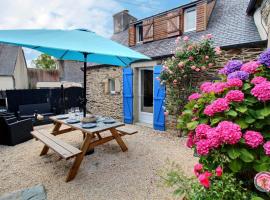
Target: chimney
<point>122,20</point>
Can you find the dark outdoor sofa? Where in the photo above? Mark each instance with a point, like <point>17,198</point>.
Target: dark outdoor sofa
<point>30,111</point>
<point>13,132</point>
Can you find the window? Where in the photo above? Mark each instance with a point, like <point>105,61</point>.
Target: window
<point>112,86</point>
<point>139,33</point>
<point>190,19</point>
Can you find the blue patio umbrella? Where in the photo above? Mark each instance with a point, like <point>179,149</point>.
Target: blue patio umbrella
<point>78,45</point>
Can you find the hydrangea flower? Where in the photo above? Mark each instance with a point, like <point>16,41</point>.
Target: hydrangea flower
<point>194,96</point>
<point>218,87</point>
<point>235,96</point>
<point>219,105</point>
<point>266,147</point>
<point>262,91</point>
<point>232,66</point>
<point>239,74</point>
<point>213,138</point>
<point>250,67</point>
<point>229,132</point>
<point>205,87</point>
<point>253,139</point>
<point>201,131</point>
<point>264,58</point>
<point>258,79</point>
<point>234,82</point>
<point>203,147</point>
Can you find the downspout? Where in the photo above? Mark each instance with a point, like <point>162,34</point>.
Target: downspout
<point>14,82</point>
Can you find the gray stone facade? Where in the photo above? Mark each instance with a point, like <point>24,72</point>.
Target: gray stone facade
<point>100,100</point>
<point>103,103</point>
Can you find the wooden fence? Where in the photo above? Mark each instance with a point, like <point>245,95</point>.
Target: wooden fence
<point>40,75</point>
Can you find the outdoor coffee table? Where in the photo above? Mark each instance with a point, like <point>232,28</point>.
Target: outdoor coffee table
<point>92,138</point>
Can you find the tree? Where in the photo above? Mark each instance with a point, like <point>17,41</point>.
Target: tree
<point>45,61</point>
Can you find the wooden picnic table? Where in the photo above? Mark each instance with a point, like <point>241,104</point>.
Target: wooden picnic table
<point>92,138</point>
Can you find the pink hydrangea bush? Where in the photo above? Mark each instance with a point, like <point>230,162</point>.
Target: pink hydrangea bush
<point>230,121</point>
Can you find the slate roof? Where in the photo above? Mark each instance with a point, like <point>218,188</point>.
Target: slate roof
<point>8,58</point>
<point>229,24</point>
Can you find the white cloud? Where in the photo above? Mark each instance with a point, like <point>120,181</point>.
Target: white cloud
<point>95,15</point>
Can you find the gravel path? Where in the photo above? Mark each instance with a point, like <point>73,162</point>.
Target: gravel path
<point>107,174</point>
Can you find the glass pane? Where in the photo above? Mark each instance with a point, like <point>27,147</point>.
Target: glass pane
<point>112,85</point>
<point>147,91</point>
<point>190,20</point>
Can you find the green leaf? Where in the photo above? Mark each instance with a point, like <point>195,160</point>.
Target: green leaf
<point>235,165</point>
<point>242,123</point>
<point>246,86</point>
<point>233,153</point>
<point>257,198</point>
<point>249,119</point>
<point>251,99</point>
<point>259,167</point>
<point>242,108</point>
<point>264,112</point>
<point>192,125</point>
<point>255,114</point>
<point>215,120</point>
<point>259,125</point>
<point>232,113</point>
<point>246,156</point>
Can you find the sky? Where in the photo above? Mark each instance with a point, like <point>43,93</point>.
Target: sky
<point>95,15</point>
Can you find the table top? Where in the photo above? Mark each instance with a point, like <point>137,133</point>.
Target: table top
<point>78,126</point>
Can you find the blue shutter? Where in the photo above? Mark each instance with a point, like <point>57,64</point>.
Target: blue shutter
<point>159,97</point>
<point>128,95</point>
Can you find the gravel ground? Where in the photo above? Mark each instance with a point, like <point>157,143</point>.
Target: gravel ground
<point>107,174</point>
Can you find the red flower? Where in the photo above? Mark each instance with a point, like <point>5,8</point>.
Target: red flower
<point>197,169</point>
<point>204,179</point>
<point>219,171</point>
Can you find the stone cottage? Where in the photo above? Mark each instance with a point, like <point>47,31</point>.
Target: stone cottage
<point>132,93</point>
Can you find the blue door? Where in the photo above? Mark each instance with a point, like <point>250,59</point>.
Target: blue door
<point>159,97</point>
<point>128,95</point>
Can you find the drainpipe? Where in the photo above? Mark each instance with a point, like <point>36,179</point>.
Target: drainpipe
<point>14,82</point>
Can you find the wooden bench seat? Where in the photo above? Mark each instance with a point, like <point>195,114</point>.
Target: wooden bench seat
<point>126,131</point>
<point>65,150</point>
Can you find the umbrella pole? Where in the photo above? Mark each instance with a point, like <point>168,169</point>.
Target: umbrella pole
<point>84,84</point>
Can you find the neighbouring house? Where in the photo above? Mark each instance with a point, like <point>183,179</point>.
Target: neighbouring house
<point>68,74</point>
<point>260,10</point>
<point>133,94</point>
<point>13,68</point>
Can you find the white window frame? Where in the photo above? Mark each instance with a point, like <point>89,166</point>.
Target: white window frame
<point>111,83</point>
<point>137,34</point>
<point>186,20</point>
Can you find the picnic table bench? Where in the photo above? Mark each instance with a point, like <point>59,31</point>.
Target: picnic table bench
<point>65,150</point>
<point>92,138</point>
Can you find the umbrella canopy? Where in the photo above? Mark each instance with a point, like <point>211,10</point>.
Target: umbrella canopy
<point>79,45</point>
<point>70,44</point>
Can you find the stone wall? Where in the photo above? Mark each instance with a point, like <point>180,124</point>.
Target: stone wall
<point>244,54</point>
<point>100,100</point>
